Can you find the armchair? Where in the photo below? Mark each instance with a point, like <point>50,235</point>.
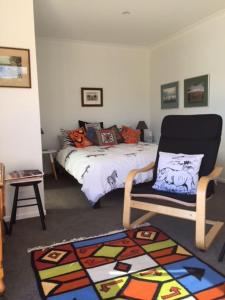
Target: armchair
<point>189,134</point>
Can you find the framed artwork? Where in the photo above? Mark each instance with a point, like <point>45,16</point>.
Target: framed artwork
<point>196,91</point>
<point>170,95</point>
<point>91,97</point>
<point>15,67</point>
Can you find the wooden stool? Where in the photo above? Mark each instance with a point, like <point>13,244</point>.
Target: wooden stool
<point>16,200</point>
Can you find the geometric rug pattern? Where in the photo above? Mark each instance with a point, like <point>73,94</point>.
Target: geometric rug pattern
<point>142,263</point>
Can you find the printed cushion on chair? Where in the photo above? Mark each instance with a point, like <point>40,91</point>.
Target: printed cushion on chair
<point>106,137</point>
<point>79,138</point>
<point>178,173</point>
<point>130,135</point>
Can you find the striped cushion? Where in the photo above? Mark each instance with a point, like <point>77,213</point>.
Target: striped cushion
<point>67,141</point>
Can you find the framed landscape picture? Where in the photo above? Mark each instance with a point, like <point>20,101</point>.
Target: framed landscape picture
<point>169,95</point>
<point>15,67</point>
<point>196,91</point>
<point>91,97</point>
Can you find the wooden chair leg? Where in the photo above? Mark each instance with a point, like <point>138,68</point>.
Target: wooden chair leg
<point>142,219</point>
<point>216,226</point>
<point>2,286</point>
<point>200,222</point>
<point>203,240</point>
<point>127,211</point>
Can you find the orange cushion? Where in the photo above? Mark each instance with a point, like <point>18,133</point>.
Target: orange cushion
<point>79,138</point>
<point>130,135</point>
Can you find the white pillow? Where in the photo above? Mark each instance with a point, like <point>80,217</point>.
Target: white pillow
<point>178,173</point>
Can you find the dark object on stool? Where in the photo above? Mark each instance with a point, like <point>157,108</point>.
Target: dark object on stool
<point>16,199</point>
<point>222,253</point>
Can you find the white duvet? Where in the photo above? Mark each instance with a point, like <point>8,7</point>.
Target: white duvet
<point>101,169</point>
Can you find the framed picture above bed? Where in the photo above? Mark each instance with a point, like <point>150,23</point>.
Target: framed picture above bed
<point>91,97</point>
<point>196,91</point>
<point>169,95</point>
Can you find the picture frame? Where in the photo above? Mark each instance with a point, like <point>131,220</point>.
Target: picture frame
<point>170,95</point>
<point>15,68</point>
<point>196,91</point>
<point>91,97</point>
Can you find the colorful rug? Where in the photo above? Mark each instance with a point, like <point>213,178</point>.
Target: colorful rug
<point>143,263</point>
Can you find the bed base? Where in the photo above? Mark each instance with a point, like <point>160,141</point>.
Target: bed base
<point>61,170</point>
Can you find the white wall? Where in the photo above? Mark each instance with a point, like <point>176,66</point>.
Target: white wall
<point>66,66</point>
<point>199,51</point>
<point>19,114</point>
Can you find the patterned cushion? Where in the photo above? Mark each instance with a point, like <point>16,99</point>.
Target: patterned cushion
<point>119,137</point>
<point>178,173</point>
<point>83,124</point>
<point>67,141</point>
<point>79,138</point>
<point>130,135</point>
<point>106,137</point>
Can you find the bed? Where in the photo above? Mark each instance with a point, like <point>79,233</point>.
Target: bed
<point>101,169</point>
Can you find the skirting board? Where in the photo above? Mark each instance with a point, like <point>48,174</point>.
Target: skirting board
<point>27,215</point>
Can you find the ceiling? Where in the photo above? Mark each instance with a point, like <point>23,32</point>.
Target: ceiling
<point>103,21</point>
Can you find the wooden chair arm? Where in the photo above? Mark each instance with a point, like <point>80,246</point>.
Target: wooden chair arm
<point>131,175</point>
<point>201,241</point>
<point>204,181</point>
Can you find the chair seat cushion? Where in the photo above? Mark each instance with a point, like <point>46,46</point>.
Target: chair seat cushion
<point>188,200</point>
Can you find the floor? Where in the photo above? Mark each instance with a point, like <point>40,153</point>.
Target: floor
<point>69,215</point>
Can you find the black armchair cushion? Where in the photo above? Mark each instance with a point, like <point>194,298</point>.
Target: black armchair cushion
<point>192,134</point>
<point>188,134</point>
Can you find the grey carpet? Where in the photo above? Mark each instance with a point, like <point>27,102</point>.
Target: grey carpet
<point>70,216</point>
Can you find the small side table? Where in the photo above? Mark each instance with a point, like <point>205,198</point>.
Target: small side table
<point>51,157</point>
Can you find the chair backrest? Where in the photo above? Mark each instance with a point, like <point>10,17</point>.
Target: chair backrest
<point>192,134</point>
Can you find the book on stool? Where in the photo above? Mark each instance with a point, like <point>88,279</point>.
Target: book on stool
<point>24,175</point>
